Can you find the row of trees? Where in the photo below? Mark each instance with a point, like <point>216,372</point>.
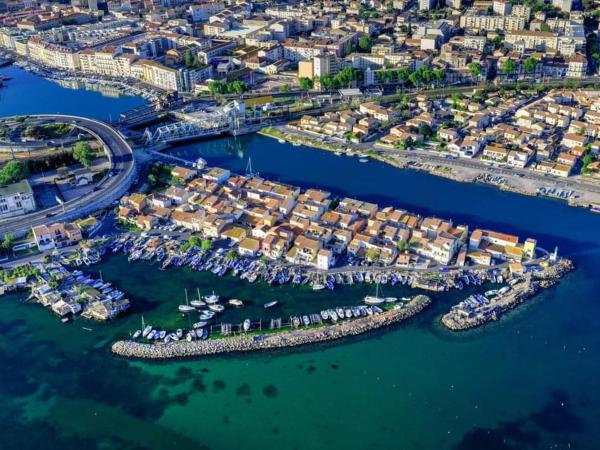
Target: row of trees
<point>510,67</point>
<point>343,79</point>
<point>218,87</point>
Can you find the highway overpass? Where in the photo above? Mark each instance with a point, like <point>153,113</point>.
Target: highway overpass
<point>112,187</point>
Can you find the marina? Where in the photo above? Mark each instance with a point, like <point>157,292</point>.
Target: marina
<point>276,340</point>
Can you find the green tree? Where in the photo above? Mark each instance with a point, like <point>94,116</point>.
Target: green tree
<point>284,88</point>
<point>207,245</point>
<point>545,27</point>
<point>530,64</point>
<point>188,59</point>
<point>403,75</point>
<point>216,87</point>
<point>239,87</point>
<point>7,243</point>
<point>439,76</point>
<point>509,67</point>
<point>365,43</point>
<point>306,84</point>
<point>327,82</point>
<point>475,69</point>
<point>13,171</point>
<point>83,153</point>
<point>425,130</point>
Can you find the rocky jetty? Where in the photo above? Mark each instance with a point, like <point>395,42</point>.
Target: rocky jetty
<point>273,340</point>
<point>458,319</point>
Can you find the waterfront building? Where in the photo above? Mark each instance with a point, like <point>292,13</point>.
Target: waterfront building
<point>16,199</point>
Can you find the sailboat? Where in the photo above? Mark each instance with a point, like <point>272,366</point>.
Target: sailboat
<point>374,299</point>
<point>186,308</point>
<point>199,302</point>
<point>146,329</point>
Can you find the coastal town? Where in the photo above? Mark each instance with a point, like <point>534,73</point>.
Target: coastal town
<point>499,92</point>
<point>259,230</point>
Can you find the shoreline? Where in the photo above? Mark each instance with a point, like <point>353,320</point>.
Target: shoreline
<point>93,80</point>
<point>458,319</point>
<point>438,170</point>
<point>269,341</point>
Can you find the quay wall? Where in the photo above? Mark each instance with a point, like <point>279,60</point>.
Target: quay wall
<point>283,339</point>
<point>519,294</point>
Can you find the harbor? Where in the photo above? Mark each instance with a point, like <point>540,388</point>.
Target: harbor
<point>277,340</point>
<point>479,309</point>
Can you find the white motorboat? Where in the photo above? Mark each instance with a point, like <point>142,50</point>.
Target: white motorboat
<point>235,302</point>
<point>212,298</point>
<point>270,304</point>
<point>216,307</point>
<point>247,324</point>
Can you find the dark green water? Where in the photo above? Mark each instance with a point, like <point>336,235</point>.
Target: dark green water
<point>529,381</point>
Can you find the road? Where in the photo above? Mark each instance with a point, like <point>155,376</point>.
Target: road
<point>110,189</point>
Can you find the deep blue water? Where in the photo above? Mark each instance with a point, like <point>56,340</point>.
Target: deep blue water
<point>529,381</point>
<point>26,93</point>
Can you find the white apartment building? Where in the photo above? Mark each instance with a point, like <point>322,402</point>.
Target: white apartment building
<point>16,199</point>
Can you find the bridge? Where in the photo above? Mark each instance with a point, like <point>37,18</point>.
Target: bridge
<point>228,118</point>
<point>111,188</point>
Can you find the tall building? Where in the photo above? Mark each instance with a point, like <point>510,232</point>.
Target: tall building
<point>325,64</point>
<point>426,5</point>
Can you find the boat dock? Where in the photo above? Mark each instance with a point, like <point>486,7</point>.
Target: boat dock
<point>274,340</point>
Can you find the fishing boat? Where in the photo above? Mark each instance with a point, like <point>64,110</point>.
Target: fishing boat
<point>137,334</point>
<point>270,304</point>
<point>200,324</point>
<point>305,320</point>
<point>333,316</point>
<point>324,315</point>
<point>186,308</point>
<point>340,312</point>
<point>246,324</point>
<point>235,302</point>
<point>318,287</point>
<point>281,141</point>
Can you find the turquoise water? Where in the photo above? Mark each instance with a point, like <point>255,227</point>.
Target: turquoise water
<point>528,381</point>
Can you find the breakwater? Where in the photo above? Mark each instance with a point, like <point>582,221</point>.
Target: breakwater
<point>283,339</point>
<point>463,318</point>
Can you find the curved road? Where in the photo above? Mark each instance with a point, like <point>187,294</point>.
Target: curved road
<point>122,164</point>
